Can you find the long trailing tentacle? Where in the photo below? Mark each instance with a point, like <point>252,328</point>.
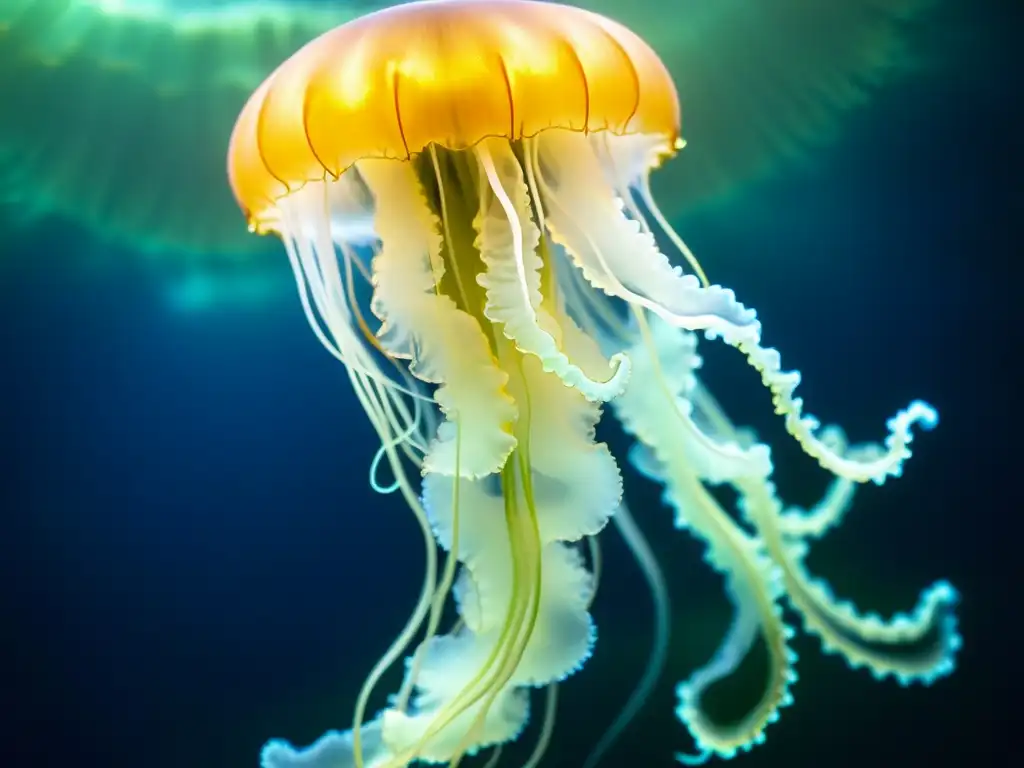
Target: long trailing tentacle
<point>620,257</point>
<point>323,286</point>
<point>673,452</point>
<point>919,646</point>
<point>652,573</point>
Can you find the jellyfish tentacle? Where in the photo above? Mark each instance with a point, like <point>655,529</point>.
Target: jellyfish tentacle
<point>884,647</point>
<point>802,427</point>
<point>424,601</point>
<point>319,285</point>
<point>575,481</point>
<point>571,499</point>
<point>334,749</point>
<point>325,303</point>
<point>641,550</point>
<point>316,255</point>
<point>517,630</point>
<point>616,254</point>
<point>508,241</point>
<point>577,476</point>
<point>523,624</point>
<point>419,425</point>
<point>863,640</point>
<point>753,586</point>
<point>727,741</point>
<point>458,691</point>
<point>421,323</point>
<point>620,257</point>
<point>401,699</point>
<point>794,521</point>
<point>632,174</point>
<point>547,727</point>
<point>828,513</point>
<point>460,701</point>
<point>664,453</point>
<point>378,394</point>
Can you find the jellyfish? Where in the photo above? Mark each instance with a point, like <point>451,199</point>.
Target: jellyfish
<point>117,111</point>
<point>479,169</point>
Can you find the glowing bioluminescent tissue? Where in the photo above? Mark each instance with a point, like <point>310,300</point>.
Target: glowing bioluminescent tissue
<point>483,166</point>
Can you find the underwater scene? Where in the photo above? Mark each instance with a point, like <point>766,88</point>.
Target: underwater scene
<point>507,383</point>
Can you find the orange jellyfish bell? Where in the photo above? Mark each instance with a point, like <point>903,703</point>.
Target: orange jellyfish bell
<point>444,72</point>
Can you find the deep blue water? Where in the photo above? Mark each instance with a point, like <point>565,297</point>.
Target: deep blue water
<point>192,561</point>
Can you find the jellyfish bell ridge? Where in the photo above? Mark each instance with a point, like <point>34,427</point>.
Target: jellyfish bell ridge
<point>449,73</point>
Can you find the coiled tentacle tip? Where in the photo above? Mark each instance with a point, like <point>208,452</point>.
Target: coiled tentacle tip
<point>698,759</point>
<point>924,414</point>
<point>944,592</point>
